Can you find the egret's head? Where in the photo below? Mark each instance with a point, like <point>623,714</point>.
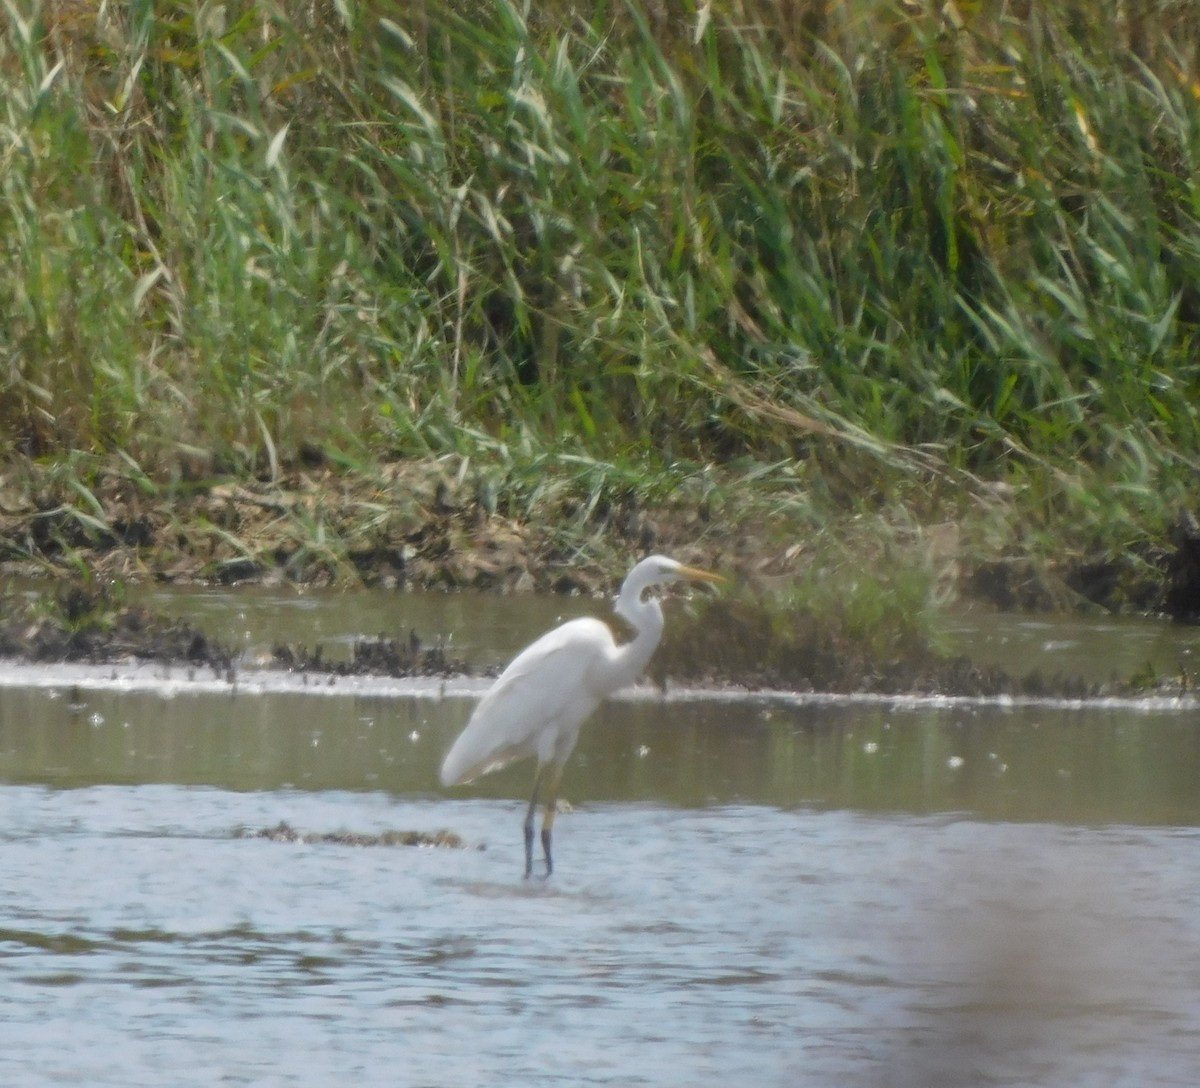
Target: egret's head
<point>658,570</point>
<point>661,570</point>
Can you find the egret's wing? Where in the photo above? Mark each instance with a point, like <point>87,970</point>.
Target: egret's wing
<point>545,688</point>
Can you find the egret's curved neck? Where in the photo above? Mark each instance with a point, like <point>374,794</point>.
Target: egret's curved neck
<point>646,618</point>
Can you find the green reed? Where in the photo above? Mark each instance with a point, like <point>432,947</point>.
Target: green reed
<point>916,252</point>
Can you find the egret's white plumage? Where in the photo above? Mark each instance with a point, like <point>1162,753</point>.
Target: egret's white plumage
<point>539,702</point>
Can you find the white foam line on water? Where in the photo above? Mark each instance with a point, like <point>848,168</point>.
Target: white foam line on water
<point>170,681</point>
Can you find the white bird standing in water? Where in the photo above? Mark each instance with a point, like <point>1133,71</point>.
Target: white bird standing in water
<point>537,705</point>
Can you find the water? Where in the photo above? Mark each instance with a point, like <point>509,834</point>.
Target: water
<point>761,890</point>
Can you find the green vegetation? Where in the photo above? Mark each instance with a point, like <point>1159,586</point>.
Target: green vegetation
<point>791,263</point>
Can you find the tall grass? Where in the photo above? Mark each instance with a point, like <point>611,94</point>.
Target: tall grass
<point>894,243</point>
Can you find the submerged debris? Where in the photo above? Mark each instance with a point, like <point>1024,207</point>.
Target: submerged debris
<point>284,832</point>
<point>380,656</point>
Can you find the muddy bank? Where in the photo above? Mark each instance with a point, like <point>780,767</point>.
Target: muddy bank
<point>435,525</point>
<point>414,525</point>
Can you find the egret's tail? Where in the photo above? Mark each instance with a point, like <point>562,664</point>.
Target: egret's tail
<point>468,759</point>
<point>453,770</point>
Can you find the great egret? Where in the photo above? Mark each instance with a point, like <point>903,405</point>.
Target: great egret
<point>539,702</point>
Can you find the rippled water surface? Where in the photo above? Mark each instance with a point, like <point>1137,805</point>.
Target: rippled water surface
<point>757,891</point>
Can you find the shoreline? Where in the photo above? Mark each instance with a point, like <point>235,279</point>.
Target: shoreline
<point>172,681</point>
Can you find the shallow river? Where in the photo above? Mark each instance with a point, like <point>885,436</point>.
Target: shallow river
<point>748,891</point>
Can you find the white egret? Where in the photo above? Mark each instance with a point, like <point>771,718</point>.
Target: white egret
<point>536,706</point>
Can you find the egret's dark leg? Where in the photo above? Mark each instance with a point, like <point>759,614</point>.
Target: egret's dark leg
<point>529,813</point>
<point>548,818</point>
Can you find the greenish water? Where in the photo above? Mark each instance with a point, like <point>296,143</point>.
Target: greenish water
<point>747,890</point>
<point>486,629</point>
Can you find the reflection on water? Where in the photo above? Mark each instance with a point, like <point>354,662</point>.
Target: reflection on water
<point>487,629</point>
<point>747,892</point>
<point>483,628</point>
<point>1097,650</point>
